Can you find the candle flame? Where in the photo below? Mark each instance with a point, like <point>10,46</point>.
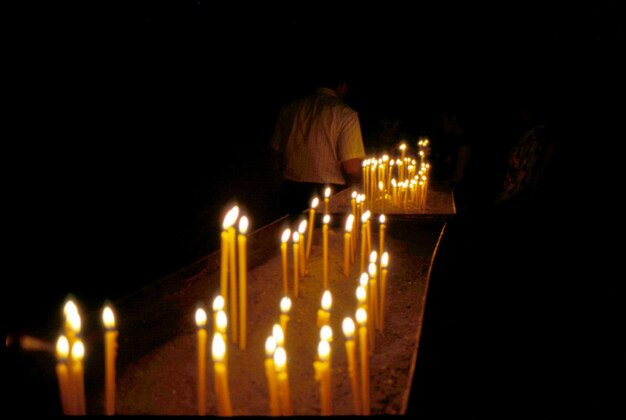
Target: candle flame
<point>393,182</point>
<point>108,318</point>
<point>218,347</point>
<point>280,358</point>
<point>69,308</point>
<point>385,158</point>
<point>380,185</point>
<point>63,347</point>
<point>327,192</point>
<point>78,351</point>
<point>315,202</point>
<point>381,219</point>
<point>285,305</point>
<point>361,294</point>
<point>243,225</point>
<point>221,321</point>
<point>327,300</point>
<point>403,147</point>
<point>364,279</point>
<point>326,333</point>
<point>231,217</point>
<point>392,162</point>
<point>372,269</point>
<point>218,303</point>
<point>200,318</point>
<point>373,256</point>
<point>296,237</point>
<point>361,317</point>
<point>348,327</point>
<point>326,219</point>
<point>421,153</point>
<point>384,260</point>
<point>302,227</point>
<point>323,350</point>
<point>349,223</point>
<point>286,235</point>
<point>74,320</point>
<point>270,346</point>
<point>278,333</point>
<point>354,194</point>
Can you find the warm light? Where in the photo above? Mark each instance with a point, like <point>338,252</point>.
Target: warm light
<point>108,318</point>
<point>218,303</point>
<point>382,219</point>
<point>327,192</point>
<point>78,351</point>
<point>361,317</point>
<point>74,319</point>
<point>221,321</point>
<point>270,346</point>
<point>231,217</point>
<point>243,225</point>
<point>280,358</point>
<point>63,347</point>
<point>327,300</point>
<point>354,194</point>
<point>302,227</point>
<point>296,237</point>
<point>385,158</point>
<point>285,305</point>
<point>348,327</point>
<point>279,335</point>
<point>200,318</point>
<point>393,182</point>
<point>380,185</point>
<point>384,260</point>
<point>363,279</point>
<point>286,235</point>
<point>403,147</point>
<point>326,219</point>
<point>361,294</point>
<point>349,223</point>
<point>326,333</point>
<point>218,347</point>
<point>323,350</point>
<point>421,153</point>
<point>69,308</point>
<point>373,256</point>
<point>372,269</point>
<point>315,202</point>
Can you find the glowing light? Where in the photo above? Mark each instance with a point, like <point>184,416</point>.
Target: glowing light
<point>285,305</point>
<point>78,351</point>
<point>279,335</point>
<point>280,358</point>
<point>326,333</point>
<point>364,279</point>
<point>384,260</point>
<point>323,350</point>
<point>361,295</point>
<point>296,237</point>
<point>326,219</point>
<point>348,327</point>
<point>315,202</point>
<point>63,347</point>
<point>373,256</point>
<point>270,346</point>
<point>218,303</point>
<point>302,227</point>
<point>361,317</point>
<point>221,321</point>
<point>108,318</point>
<point>231,217</point>
<point>200,318</point>
<point>327,300</point>
<point>286,235</point>
<point>243,225</point>
<point>349,223</point>
<point>372,269</point>
<point>218,348</point>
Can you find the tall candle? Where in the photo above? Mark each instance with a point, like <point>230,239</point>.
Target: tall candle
<point>232,269</point>
<point>325,250</point>
<point>110,353</point>
<point>302,230</point>
<point>314,204</point>
<point>381,234</point>
<point>361,297</point>
<point>221,323</point>
<point>368,231</point>
<point>347,245</point>
<point>229,220</point>
<point>283,251</point>
<point>361,319</point>
<point>327,193</point>
<point>363,239</point>
<point>353,201</point>
<point>202,337</point>
<point>218,305</point>
<point>243,281</point>
<point>402,154</point>
<point>279,335</point>
<point>348,331</point>
<point>218,351</point>
<point>323,353</point>
<point>373,308</point>
<point>285,307</point>
<point>323,314</point>
<point>284,393</point>
<point>296,266</point>
<point>77,380</point>
<point>270,373</point>
<point>72,321</point>
<point>62,352</point>
<point>384,261</point>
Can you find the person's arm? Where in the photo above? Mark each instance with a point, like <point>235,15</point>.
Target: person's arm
<point>350,149</point>
<point>352,171</point>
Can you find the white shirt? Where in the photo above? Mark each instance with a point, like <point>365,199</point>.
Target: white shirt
<point>315,134</point>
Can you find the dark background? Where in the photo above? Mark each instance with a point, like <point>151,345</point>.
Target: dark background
<point>129,128</point>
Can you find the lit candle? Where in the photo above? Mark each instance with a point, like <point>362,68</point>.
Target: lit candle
<point>222,393</point>
<point>327,192</point>
<point>285,307</point>
<point>314,204</point>
<point>381,188</point>
<point>347,245</point>
<point>270,347</point>
<point>353,201</point>
<point>280,365</point>
<point>232,268</point>
<point>283,250</point>
<point>243,281</point>
<point>326,334</point>
<point>110,353</point>
<point>279,335</point>
<point>218,305</point>
<point>296,267</point>
<point>384,261</point>
<point>323,353</point>
<point>361,319</point>
<point>363,238</point>
<point>202,337</point>
<point>381,234</point>
<point>402,154</point>
<point>369,231</point>
<point>348,331</point>
<point>72,321</point>
<point>302,230</point>
<point>62,351</point>
<point>221,323</point>
<point>323,314</point>
<point>77,380</point>
<point>229,220</point>
<point>361,297</point>
<point>325,250</point>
